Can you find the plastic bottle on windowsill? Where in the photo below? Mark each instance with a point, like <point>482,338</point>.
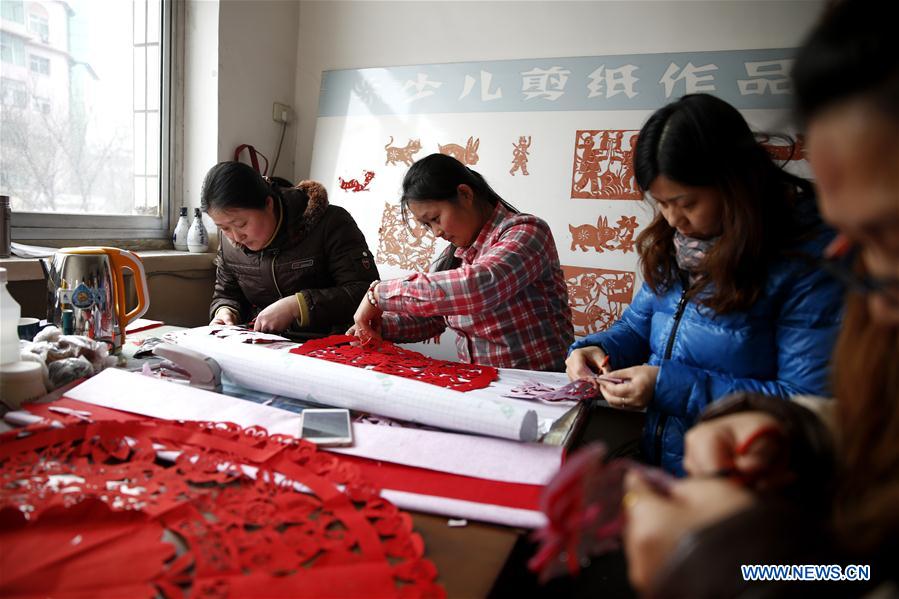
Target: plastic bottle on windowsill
<point>197,237</point>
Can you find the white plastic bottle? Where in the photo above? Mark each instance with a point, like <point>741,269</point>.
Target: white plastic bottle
<point>10,311</point>
<point>179,238</point>
<point>197,237</point>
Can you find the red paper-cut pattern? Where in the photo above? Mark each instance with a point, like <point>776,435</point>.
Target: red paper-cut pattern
<point>603,165</point>
<point>357,186</point>
<point>407,245</point>
<point>467,155</point>
<point>602,237</point>
<point>520,156</point>
<point>390,359</point>
<point>597,297</point>
<point>404,154</point>
<point>582,504</point>
<point>83,510</point>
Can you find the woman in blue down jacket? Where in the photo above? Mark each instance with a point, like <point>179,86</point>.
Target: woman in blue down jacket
<point>732,299</point>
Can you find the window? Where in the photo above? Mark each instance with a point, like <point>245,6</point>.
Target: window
<point>39,64</point>
<point>14,93</point>
<point>86,158</point>
<point>39,26</point>
<point>42,105</point>
<point>12,49</point>
<point>12,10</point>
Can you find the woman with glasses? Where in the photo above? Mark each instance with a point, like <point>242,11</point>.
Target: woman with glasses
<point>732,299</point>
<point>693,541</point>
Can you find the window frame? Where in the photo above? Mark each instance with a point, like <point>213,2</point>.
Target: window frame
<point>33,226</point>
<point>39,25</point>
<point>41,61</point>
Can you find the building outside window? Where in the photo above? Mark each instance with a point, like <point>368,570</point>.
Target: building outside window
<point>39,26</point>
<point>12,10</point>
<point>85,120</point>
<point>14,94</point>
<point>39,64</point>
<point>42,105</point>
<point>12,49</point>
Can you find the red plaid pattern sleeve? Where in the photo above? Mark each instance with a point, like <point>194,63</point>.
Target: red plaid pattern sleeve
<point>406,328</point>
<point>507,301</point>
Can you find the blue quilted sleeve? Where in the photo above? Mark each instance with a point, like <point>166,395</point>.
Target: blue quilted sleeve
<point>807,327</point>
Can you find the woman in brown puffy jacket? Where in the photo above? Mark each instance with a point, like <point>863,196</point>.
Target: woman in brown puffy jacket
<point>289,260</point>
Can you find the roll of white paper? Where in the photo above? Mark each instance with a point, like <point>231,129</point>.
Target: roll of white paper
<point>320,381</point>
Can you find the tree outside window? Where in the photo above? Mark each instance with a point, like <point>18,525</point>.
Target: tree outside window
<point>82,129</point>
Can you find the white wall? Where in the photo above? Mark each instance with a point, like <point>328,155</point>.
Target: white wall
<point>198,107</point>
<point>239,58</point>
<point>354,34</point>
<point>257,66</point>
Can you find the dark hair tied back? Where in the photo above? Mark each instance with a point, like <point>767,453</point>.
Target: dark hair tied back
<point>236,185</point>
<point>437,177</point>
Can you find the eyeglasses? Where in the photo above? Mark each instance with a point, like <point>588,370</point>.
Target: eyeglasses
<point>840,261</point>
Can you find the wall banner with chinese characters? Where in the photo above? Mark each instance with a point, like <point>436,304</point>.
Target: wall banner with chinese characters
<point>553,136</point>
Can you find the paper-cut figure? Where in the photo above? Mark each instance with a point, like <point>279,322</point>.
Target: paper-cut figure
<point>602,237</point>
<point>597,297</point>
<point>402,154</point>
<point>407,245</point>
<point>603,167</point>
<point>520,156</point>
<point>467,155</point>
<point>354,185</point>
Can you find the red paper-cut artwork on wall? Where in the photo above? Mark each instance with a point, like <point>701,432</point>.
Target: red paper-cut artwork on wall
<point>356,186</point>
<point>407,245</point>
<point>520,156</point>
<point>597,297</point>
<point>402,154</point>
<point>147,508</point>
<point>602,237</point>
<point>467,155</point>
<point>390,359</point>
<point>603,167</point>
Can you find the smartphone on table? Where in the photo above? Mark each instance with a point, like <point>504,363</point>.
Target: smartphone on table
<point>326,427</point>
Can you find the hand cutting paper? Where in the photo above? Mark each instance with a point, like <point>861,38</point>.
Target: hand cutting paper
<point>583,507</point>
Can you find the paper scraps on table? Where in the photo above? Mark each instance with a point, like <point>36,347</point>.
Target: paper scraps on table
<point>241,334</point>
<point>573,391</point>
<point>390,359</point>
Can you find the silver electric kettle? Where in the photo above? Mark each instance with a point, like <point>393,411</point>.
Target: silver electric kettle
<point>86,292</point>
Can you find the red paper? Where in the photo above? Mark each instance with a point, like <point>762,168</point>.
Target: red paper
<point>390,359</point>
<point>83,510</point>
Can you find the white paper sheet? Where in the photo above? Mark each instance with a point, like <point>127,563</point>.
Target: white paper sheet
<point>467,455</point>
<point>320,381</point>
<point>140,394</point>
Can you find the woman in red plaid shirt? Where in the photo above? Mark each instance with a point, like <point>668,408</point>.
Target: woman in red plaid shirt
<point>498,285</point>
